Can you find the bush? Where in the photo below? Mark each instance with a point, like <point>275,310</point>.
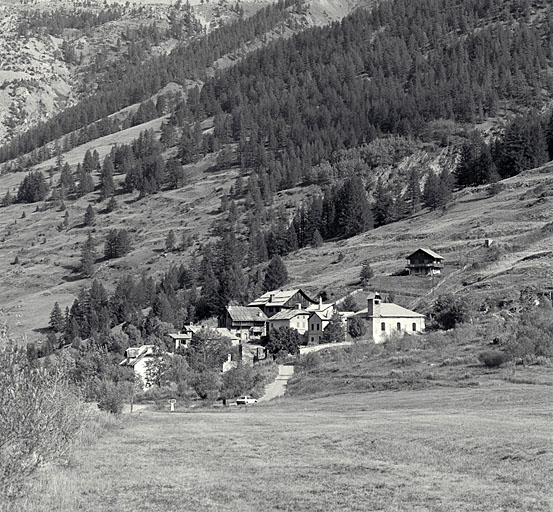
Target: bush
<point>110,398</point>
<point>356,327</point>
<point>41,415</point>
<point>493,358</point>
<point>450,311</point>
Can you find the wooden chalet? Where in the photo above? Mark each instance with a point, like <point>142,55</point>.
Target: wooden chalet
<point>425,262</point>
<point>247,323</point>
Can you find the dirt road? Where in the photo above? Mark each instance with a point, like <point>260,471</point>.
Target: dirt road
<point>278,386</point>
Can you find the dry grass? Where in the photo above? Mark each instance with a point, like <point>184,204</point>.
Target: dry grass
<point>439,450</point>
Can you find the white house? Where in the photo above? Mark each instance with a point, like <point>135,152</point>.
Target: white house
<point>385,319</point>
<point>320,317</point>
<point>292,318</point>
<point>137,358</point>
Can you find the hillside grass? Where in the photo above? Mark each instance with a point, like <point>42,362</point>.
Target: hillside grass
<point>439,359</point>
<point>437,449</point>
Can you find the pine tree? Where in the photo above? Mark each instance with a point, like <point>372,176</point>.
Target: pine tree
<point>367,273</point>
<point>88,257</point>
<point>317,239</point>
<point>107,187</point>
<point>276,274</point>
<point>112,205</point>
<point>170,241</point>
<point>57,323</point>
<point>89,216</point>
<point>86,184</point>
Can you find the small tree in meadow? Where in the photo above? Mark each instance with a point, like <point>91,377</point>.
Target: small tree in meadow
<point>367,273</point>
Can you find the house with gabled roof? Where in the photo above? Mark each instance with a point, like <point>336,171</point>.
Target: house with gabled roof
<point>247,323</point>
<point>138,357</point>
<point>319,318</point>
<point>293,318</point>
<point>183,337</point>
<point>424,262</point>
<point>385,319</point>
<point>274,301</point>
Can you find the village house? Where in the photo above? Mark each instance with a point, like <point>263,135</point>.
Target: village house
<point>274,301</point>
<point>319,318</point>
<point>292,318</point>
<point>246,323</point>
<point>424,262</point>
<point>138,358</point>
<point>183,337</point>
<point>385,319</point>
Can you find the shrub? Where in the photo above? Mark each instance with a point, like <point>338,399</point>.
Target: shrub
<point>356,327</point>
<point>450,311</point>
<point>110,398</point>
<point>493,358</point>
<point>41,415</point>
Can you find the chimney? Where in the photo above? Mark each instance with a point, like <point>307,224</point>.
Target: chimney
<point>373,304</point>
<point>320,302</point>
<point>299,305</point>
<point>271,297</point>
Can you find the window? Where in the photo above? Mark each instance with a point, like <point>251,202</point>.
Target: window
<point>317,327</point>
<point>312,328</point>
<point>399,326</point>
<point>312,338</point>
<point>414,327</point>
<point>383,326</point>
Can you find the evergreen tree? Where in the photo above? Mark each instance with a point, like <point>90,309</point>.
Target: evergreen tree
<point>383,205</point>
<point>112,205</point>
<point>276,274</point>
<point>86,184</point>
<point>414,194</point>
<point>107,187</point>
<point>57,323</point>
<point>317,239</point>
<point>88,257</point>
<point>67,182</point>
<point>353,212</point>
<point>523,146</point>
<point>33,188</point>
<point>367,273</point>
<point>170,241</point>
<point>89,216</point>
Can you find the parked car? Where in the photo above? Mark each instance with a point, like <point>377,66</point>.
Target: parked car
<point>246,400</point>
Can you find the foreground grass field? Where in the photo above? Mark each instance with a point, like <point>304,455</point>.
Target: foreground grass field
<point>436,449</point>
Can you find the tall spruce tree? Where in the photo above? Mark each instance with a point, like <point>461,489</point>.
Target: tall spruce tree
<point>276,274</point>
<point>88,257</point>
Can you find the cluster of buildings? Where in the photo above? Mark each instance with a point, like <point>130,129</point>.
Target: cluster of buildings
<point>295,309</point>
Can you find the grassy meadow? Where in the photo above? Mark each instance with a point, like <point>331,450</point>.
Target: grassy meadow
<point>440,449</point>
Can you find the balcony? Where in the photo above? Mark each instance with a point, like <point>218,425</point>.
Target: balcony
<point>434,264</point>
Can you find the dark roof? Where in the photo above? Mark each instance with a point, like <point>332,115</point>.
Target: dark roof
<point>430,252</point>
<point>246,314</point>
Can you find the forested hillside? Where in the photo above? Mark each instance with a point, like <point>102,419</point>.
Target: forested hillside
<point>321,135</point>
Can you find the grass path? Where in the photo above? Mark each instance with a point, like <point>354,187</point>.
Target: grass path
<point>440,450</point>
